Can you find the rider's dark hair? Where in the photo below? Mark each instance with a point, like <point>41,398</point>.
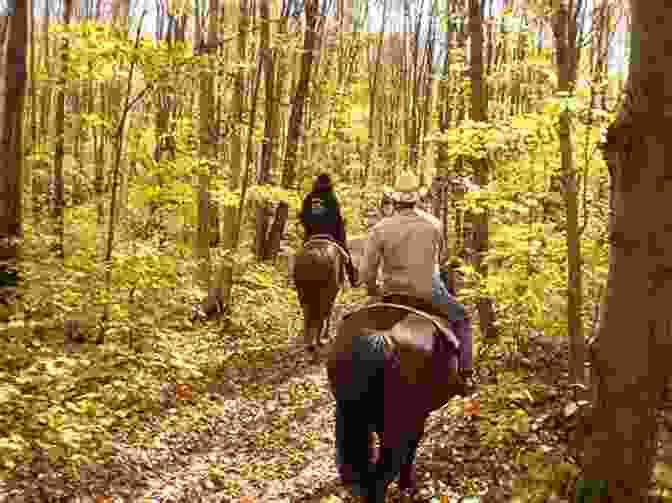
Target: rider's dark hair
<point>322,183</point>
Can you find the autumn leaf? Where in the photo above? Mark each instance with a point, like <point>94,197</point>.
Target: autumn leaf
<point>472,407</point>
<point>183,392</point>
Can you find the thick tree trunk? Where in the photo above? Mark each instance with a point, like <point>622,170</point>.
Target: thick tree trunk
<point>277,230</point>
<point>633,349</point>
<point>11,155</point>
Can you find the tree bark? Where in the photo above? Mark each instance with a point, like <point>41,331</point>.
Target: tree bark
<point>59,183</point>
<point>374,91</point>
<point>633,350</point>
<point>207,152</point>
<point>11,155</point>
<point>479,112</point>
<point>266,168</point>
<point>310,43</point>
<point>565,28</point>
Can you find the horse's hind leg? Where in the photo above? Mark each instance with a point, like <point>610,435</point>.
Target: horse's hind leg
<point>308,330</point>
<point>324,330</point>
<point>351,449</point>
<point>407,475</point>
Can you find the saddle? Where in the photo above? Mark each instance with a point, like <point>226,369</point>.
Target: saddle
<point>418,344</point>
<point>326,238</point>
<point>376,317</point>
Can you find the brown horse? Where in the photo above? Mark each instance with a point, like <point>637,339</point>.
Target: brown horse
<point>318,276</point>
<point>389,367</point>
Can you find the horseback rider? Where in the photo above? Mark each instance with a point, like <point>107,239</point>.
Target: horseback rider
<point>321,214</point>
<point>409,243</point>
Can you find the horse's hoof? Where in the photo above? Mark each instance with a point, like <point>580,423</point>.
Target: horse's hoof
<point>407,495</point>
<point>408,481</point>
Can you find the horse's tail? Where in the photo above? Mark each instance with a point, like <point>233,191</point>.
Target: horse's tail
<point>356,374</point>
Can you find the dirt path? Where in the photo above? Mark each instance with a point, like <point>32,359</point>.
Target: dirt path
<point>275,447</point>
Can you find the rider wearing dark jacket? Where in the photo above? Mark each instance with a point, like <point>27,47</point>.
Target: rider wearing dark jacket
<point>321,214</point>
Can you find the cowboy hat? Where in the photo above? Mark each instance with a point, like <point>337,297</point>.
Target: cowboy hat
<point>407,189</point>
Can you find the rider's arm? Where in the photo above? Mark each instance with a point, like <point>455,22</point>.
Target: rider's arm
<point>370,263</point>
<point>304,211</point>
<point>340,224</point>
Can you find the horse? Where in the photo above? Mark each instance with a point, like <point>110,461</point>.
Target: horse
<point>318,276</point>
<point>389,367</point>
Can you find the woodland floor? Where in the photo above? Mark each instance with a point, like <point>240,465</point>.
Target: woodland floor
<point>278,446</point>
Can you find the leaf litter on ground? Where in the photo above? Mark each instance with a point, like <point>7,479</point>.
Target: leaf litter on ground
<point>242,420</point>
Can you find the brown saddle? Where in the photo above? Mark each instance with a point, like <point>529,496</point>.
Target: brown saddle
<point>326,238</point>
<point>384,316</point>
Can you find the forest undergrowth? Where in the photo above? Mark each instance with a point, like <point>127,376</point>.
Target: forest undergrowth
<point>169,410</point>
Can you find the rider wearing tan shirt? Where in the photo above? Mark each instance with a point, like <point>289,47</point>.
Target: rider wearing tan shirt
<point>409,244</point>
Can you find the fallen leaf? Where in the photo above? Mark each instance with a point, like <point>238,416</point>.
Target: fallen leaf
<point>472,407</point>
<point>183,392</point>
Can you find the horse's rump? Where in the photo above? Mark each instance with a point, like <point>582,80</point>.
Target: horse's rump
<point>318,275</point>
<point>319,262</point>
<point>421,361</point>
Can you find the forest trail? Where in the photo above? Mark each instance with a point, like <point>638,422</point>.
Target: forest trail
<point>275,447</point>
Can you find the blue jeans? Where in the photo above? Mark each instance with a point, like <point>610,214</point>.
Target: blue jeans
<point>457,314</point>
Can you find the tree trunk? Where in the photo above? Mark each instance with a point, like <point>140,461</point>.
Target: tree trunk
<point>302,90</point>
<point>11,155</point>
<point>479,112</point>
<point>59,183</point>
<point>99,141</point>
<point>565,27</point>
<point>208,150</point>
<point>34,136</point>
<point>277,229</point>
<point>373,93</point>
<point>221,290</point>
<point>264,207</point>
<point>633,350</point>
